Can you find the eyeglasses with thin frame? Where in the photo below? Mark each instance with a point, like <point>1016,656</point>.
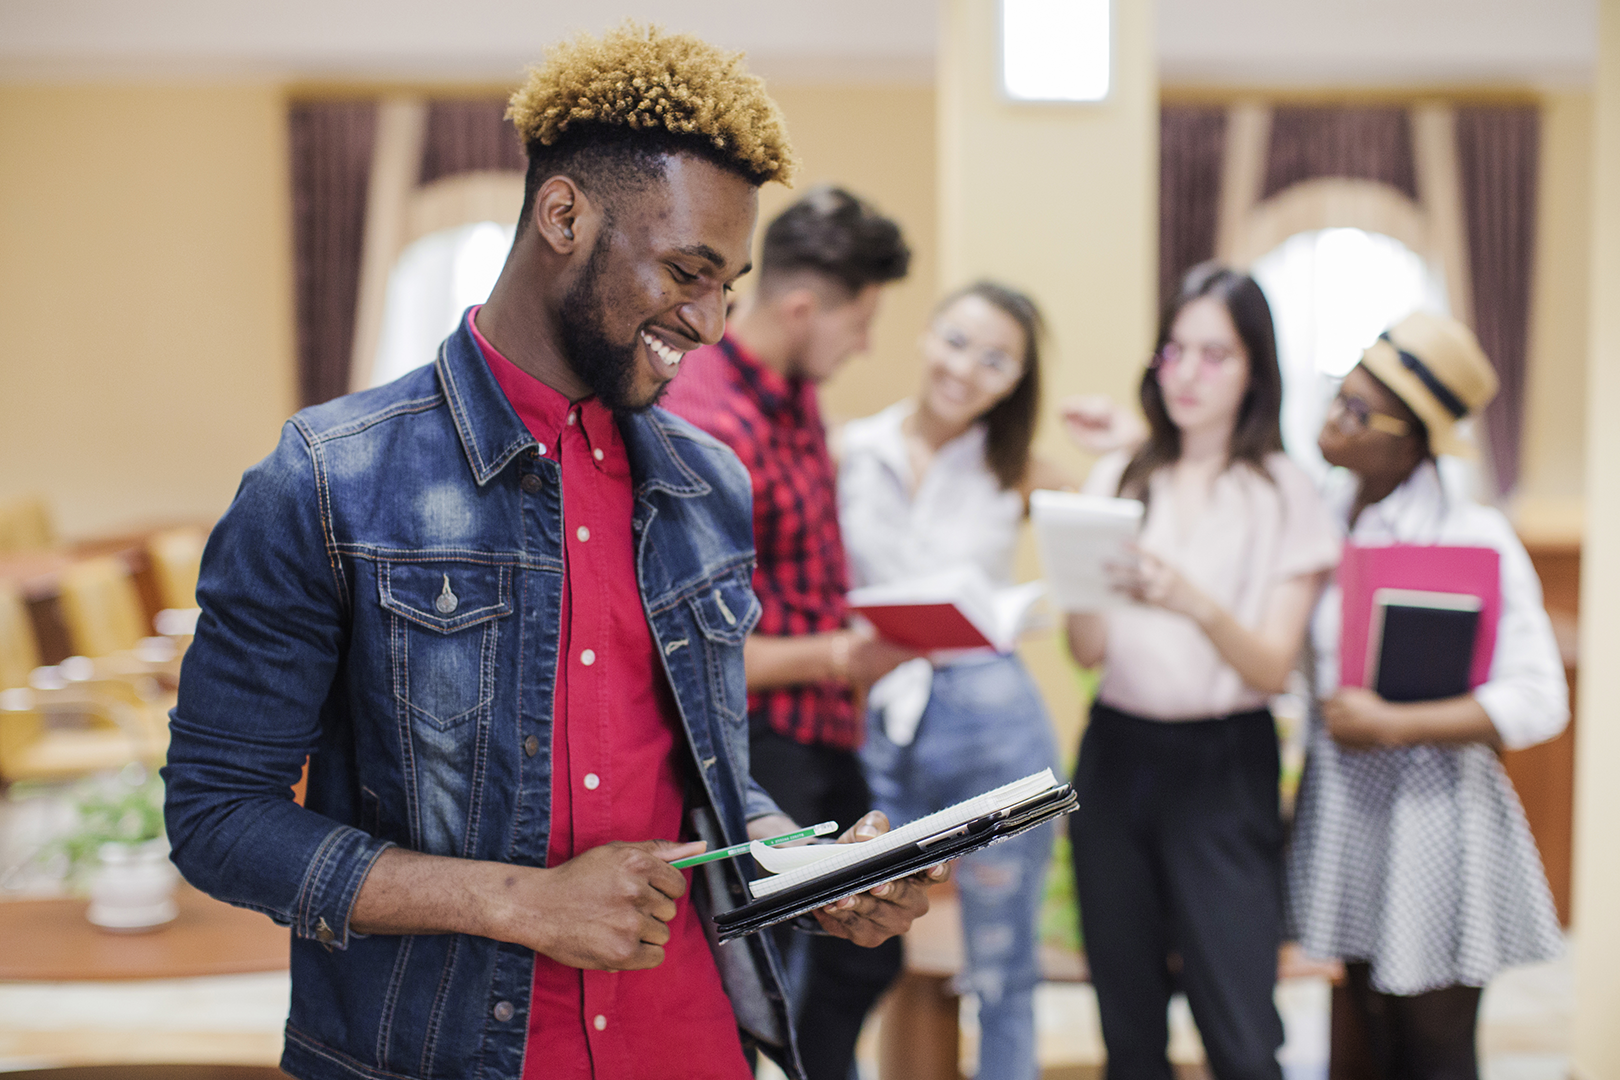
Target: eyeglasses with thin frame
<point>993,365</point>
<point>1211,358</point>
<point>1352,415</point>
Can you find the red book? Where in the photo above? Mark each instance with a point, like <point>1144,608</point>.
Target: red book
<point>1473,571</point>
<point>956,609</point>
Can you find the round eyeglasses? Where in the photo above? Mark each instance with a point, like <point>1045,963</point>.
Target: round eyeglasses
<point>1352,416</point>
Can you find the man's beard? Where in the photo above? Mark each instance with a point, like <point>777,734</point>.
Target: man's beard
<point>608,369</point>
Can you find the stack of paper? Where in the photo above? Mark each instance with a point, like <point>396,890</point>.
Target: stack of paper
<point>797,866</point>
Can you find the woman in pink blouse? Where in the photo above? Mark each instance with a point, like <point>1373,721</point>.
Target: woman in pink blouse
<point>1178,839</point>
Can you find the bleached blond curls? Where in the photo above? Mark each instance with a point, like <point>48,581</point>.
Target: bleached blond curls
<point>645,79</point>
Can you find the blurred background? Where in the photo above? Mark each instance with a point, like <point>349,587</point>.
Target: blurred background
<point>215,213</point>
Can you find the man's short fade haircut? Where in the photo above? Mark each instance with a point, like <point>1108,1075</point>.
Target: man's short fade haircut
<point>607,111</point>
<point>838,237</point>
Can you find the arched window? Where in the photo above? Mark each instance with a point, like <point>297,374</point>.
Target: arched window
<point>432,282</point>
<point>1332,291</point>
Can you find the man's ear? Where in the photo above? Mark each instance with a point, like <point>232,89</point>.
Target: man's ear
<point>565,217</point>
<point>796,305</point>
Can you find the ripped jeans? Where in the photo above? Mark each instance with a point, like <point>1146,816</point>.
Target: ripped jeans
<point>985,726</point>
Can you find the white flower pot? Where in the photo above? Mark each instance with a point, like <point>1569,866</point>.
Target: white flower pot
<point>133,889</point>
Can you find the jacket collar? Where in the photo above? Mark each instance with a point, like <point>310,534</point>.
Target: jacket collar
<point>492,433</point>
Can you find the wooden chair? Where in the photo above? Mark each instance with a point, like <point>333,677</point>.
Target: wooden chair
<point>49,734</point>
<point>176,556</point>
<point>101,608</point>
<point>25,525</point>
<point>45,736</point>
<point>19,651</point>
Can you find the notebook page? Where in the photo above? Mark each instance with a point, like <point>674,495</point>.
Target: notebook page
<point>921,829</point>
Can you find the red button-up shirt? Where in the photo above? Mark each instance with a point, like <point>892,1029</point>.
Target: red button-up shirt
<point>616,771</point>
<point>774,425</point>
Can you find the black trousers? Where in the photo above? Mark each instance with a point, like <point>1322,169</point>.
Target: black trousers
<point>1420,1036</point>
<point>1178,860</point>
<point>844,980</point>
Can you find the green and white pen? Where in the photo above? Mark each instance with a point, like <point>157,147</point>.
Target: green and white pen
<point>734,850</point>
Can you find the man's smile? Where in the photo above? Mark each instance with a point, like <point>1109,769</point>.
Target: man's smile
<point>668,354</point>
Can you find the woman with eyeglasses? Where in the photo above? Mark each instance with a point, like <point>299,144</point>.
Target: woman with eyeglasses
<point>928,485</point>
<point>1411,859</point>
<point>1178,842</point>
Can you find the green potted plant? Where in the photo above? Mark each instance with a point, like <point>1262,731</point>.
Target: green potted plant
<point>119,853</point>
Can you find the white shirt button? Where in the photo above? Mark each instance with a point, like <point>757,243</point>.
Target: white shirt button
<point>588,657</point>
<point>600,1023</point>
<point>583,533</point>
<point>573,417</point>
<point>541,449</point>
<point>597,454</point>
<point>592,781</point>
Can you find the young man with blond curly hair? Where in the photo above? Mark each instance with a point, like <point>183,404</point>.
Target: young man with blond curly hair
<point>500,606</point>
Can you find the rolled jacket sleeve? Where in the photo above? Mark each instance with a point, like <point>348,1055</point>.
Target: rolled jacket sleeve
<point>253,689</point>
<point>1526,695</point>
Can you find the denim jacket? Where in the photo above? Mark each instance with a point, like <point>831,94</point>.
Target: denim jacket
<point>326,632</point>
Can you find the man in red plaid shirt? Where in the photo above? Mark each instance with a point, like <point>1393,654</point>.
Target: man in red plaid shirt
<point>825,262</point>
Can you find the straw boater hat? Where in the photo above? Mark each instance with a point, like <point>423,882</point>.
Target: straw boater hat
<point>1434,364</point>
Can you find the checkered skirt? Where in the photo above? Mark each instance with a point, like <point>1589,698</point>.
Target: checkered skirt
<point>1418,861</point>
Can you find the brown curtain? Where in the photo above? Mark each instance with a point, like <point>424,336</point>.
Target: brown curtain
<point>331,144</point>
<point>1308,142</point>
<point>1498,150</point>
<point>469,136</point>
<point>1192,147</point>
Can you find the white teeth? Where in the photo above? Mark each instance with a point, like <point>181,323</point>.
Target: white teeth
<point>662,351</point>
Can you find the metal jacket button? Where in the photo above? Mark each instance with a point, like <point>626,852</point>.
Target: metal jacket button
<point>532,483</point>
<point>531,745</point>
<point>504,1011</point>
<point>447,601</point>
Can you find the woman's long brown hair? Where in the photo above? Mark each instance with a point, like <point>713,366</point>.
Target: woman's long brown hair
<point>1010,423</point>
<point>1258,430</point>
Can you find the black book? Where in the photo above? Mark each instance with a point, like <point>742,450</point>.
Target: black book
<point>1421,644</point>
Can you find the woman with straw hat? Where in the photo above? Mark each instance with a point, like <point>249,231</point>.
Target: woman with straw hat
<point>1411,858</point>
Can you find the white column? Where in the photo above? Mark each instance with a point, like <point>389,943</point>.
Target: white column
<point>1062,201</point>
<point>1597,763</point>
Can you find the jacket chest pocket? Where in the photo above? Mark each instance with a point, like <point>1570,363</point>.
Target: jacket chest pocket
<point>726,610</point>
<point>445,629</point>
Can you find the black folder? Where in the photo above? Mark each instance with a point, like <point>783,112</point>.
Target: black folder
<point>889,862</point>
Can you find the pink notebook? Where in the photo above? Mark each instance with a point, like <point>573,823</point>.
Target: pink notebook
<point>1364,570</point>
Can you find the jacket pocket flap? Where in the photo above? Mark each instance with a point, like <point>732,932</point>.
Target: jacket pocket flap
<point>445,596</point>
<point>726,608</point>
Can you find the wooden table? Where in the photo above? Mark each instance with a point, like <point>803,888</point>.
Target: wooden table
<point>202,998</point>
<point>51,941</point>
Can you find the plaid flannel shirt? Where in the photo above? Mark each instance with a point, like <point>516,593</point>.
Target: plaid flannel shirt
<point>774,425</point>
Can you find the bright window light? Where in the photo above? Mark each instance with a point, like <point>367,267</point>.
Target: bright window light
<point>1055,50</point>
<point>435,280</point>
<point>1332,292</point>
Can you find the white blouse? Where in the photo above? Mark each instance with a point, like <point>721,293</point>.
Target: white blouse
<point>1256,532</point>
<point>896,527</point>
<point>1525,695</point>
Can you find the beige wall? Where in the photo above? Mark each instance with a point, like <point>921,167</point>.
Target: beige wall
<point>1597,796</point>
<point>878,141</point>
<point>145,292</point>
<point>1548,503</point>
<point>1061,200</point>
<point>123,207</point>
